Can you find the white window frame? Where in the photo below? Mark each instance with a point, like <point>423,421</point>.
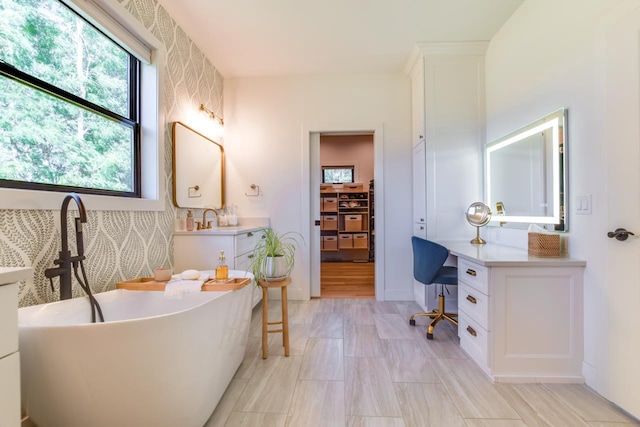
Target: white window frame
<point>112,18</point>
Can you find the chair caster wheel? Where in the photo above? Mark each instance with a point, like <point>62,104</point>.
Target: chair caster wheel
<point>412,322</point>
<point>429,336</point>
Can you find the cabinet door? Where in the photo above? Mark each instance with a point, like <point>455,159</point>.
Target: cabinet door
<point>10,390</point>
<point>418,103</point>
<point>200,251</point>
<point>419,184</point>
<point>8,319</point>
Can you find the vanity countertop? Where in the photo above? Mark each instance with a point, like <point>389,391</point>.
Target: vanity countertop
<point>9,275</point>
<point>494,255</point>
<point>222,231</point>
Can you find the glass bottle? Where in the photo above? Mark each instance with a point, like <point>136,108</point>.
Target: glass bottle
<point>190,222</point>
<point>222,270</point>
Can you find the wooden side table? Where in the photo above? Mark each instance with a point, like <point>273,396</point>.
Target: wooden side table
<point>265,285</point>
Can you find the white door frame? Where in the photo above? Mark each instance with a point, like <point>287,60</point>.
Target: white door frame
<point>311,197</point>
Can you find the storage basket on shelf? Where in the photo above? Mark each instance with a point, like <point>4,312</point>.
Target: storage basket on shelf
<point>544,245</point>
<point>353,223</point>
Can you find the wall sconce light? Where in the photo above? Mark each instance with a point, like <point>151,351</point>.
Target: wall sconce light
<point>212,115</point>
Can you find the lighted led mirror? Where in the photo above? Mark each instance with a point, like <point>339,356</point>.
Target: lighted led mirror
<point>525,174</point>
<point>198,169</point>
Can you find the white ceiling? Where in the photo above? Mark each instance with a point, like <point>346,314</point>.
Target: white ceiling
<point>283,37</point>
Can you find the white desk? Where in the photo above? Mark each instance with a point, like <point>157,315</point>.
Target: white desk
<point>520,317</point>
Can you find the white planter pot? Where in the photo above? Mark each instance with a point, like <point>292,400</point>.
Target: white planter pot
<point>275,269</point>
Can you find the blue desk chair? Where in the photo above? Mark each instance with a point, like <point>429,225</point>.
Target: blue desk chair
<point>429,269</point>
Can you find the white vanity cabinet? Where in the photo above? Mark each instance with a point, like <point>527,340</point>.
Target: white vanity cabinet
<point>199,250</point>
<point>520,317</point>
<point>9,354</point>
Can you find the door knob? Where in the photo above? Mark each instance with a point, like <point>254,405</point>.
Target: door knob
<point>620,234</point>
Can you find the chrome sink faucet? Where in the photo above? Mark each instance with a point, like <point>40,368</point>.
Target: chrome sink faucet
<point>206,225</point>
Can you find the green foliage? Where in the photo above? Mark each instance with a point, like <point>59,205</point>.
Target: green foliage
<point>274,245</point>
<point>44,139</point>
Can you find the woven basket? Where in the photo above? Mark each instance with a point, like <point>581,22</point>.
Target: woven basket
<point>544,245</point>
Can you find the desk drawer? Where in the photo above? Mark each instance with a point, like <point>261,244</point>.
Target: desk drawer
<point>474,304</point>
<point>474,275</point>
<point>474,339</point>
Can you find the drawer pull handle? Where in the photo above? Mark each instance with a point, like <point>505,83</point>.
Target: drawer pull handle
<point>471,272</point>
<point>471,331</point>
<point>471,299</point>
<point>250,234</point>
<point>250,256</point>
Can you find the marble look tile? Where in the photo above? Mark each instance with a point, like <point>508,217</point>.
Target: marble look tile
<point>360,421</point>
<point>226,404</point>
<point>606,424</point>
<point>271,386</point>
<point>323,360</point>
<point>393,326</point>
<point>302,311</point>
<point>548,407</point>
<point>369,389</point>
<point>254,419</point>
<point>586,402</point>
<point>362,341</point>
<point>317,403</point>
<point>495,423</point>
<point>407,363</point>
<point>358,314</point>
<point>330,305</point>
<point>407,309</point>
<point>445,343</point>
<point>427,405</point>
<point>252,356</point>
<point>471,390</point>
<point>298,336</point>
<point>383,307</point>
<point>528,415</point>
<point>326,325</point>
<point>360,301</point>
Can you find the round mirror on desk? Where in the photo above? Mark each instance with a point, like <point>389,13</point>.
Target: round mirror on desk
<point>478,214</point>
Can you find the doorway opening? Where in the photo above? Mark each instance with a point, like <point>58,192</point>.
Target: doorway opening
<point>347,213</point>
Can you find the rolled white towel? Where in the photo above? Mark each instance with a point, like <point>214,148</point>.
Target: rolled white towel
<point>177,288</point>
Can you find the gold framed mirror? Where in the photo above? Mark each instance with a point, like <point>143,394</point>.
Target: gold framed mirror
<point>198,169</point>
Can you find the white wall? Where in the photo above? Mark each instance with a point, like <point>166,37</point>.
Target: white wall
<point>264,142</point>
<point>545,57</point>
<point>356,150</point>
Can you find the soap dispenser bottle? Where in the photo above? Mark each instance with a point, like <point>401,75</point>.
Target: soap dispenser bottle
<point>190,221</point>
<point>222,270</point>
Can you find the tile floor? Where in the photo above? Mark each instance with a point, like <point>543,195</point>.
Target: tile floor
<point>358,363</point>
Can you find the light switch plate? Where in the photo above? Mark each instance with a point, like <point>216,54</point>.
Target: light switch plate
<point>583,204</point>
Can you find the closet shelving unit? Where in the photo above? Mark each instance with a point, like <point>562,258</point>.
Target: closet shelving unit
<point>345,219</point>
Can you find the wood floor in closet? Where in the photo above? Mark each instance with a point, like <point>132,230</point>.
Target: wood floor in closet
<point>347,280</point>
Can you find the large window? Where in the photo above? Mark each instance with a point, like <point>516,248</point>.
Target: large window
<point>69,103</point>
<point>337,174</point>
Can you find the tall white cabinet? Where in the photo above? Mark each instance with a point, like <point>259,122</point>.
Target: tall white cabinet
<point>447,87</point>
<point>9,354</point>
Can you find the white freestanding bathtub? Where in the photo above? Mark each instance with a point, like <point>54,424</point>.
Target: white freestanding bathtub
<point>154,362</point>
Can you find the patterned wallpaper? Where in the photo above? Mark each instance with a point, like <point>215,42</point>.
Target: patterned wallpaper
<point>119,245</point>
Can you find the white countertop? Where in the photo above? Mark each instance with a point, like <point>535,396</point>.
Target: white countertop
<point>493,255</point>
<point>9,275</point>
<point>221,231</point>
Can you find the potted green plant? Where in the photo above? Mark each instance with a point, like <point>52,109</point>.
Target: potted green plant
<point>274,255</point>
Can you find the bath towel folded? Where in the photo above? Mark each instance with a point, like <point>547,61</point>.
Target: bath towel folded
<point>177,287</point>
